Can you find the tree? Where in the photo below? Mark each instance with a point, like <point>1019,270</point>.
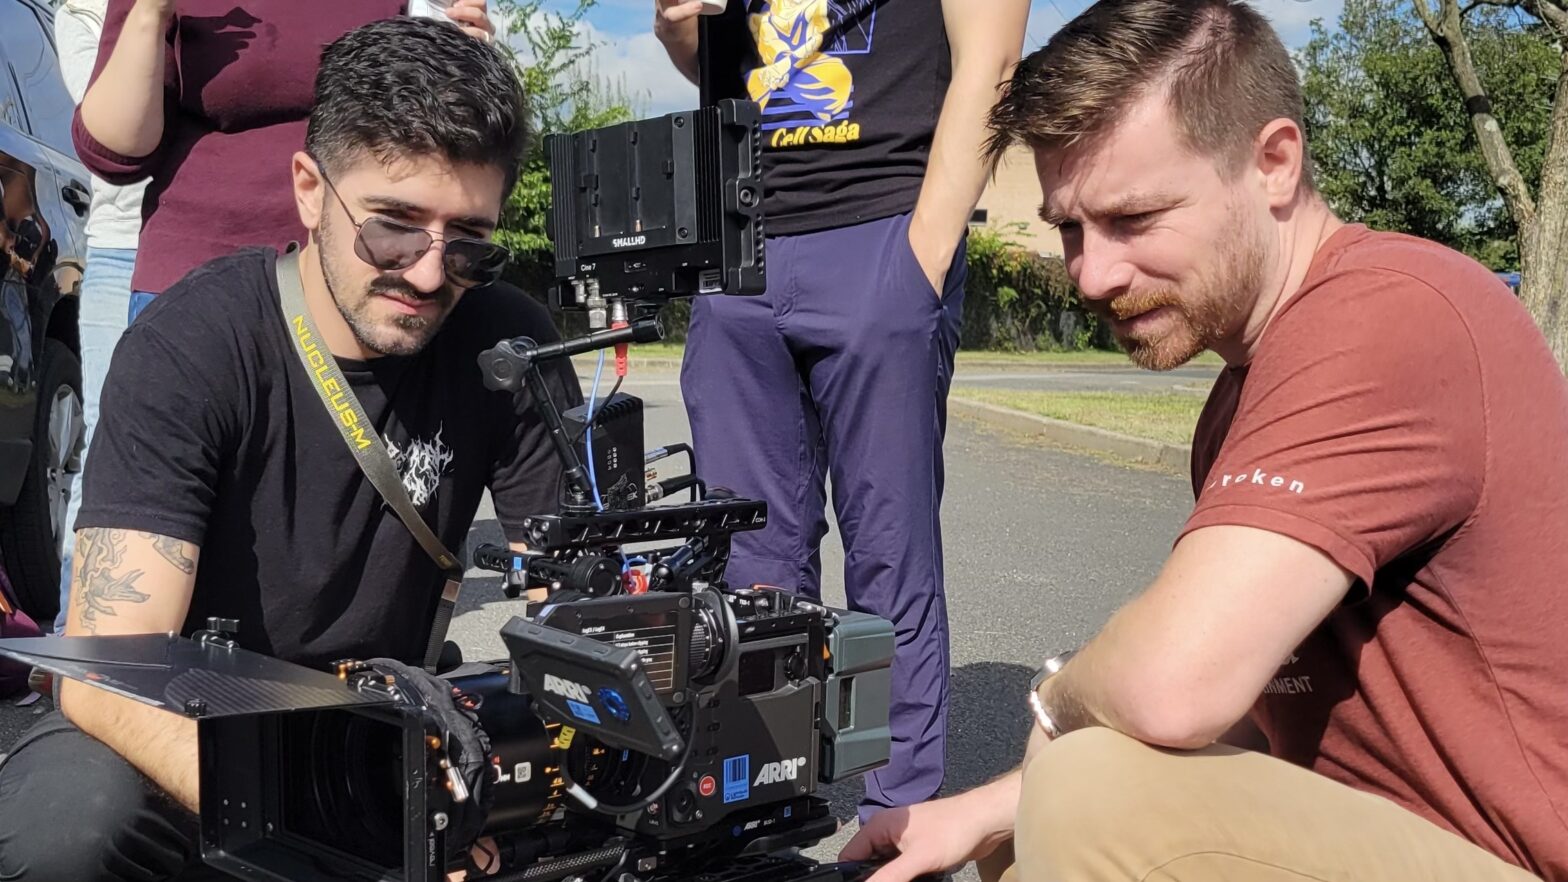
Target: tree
<point>553,55</point>
<point>1390,140</point>
<point>1540,209</point>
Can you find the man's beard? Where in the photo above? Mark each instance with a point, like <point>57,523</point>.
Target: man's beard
<point>412,333</point>
<point>1214,310</point>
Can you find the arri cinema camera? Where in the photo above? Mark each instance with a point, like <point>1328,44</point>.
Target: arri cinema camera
<point>650,721</point>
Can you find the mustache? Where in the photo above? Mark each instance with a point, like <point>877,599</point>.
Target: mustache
<point>397,285</point>
<point>1136,303</point>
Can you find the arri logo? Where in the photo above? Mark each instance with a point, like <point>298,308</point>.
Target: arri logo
<point>565,688</point>
<point>629,241</point>
<point>783,770</point>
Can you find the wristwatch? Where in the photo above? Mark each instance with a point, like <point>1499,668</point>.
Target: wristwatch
<point>1047,671</point>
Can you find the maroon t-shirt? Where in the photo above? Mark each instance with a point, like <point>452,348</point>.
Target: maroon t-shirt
<point>1404,415</point>
<point>239,81</point>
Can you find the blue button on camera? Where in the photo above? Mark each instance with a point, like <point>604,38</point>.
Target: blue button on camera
<point>614,704</point>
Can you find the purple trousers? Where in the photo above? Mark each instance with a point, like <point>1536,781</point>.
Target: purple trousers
<point>842,368</point>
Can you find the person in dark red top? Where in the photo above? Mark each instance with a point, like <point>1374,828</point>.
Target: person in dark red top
<point>208,99</point>
<point>1370,590</point>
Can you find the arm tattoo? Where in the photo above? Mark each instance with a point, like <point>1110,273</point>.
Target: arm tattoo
<point>173,551</point>
<point>103,585</point>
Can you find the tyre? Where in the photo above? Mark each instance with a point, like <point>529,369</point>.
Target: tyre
<point>32,532</point>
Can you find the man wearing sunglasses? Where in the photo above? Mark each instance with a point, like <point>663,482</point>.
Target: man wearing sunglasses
<point>219,483</point>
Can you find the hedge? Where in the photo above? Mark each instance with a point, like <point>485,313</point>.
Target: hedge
<point>1018,301</point>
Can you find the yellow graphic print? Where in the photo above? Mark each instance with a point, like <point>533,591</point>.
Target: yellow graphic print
<point>789,35</point>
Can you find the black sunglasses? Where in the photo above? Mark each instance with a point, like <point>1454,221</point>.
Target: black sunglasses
<point>389,246</point>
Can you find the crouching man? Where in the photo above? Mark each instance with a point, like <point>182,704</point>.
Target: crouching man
<point>1373,572</point>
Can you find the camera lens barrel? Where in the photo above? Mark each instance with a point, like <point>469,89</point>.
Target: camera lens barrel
<point>525,785</point>
<point>707,644</point>
<point>521,759</point>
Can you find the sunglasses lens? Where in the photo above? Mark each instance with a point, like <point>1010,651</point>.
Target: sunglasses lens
<point>389,246</point>
<point>473,263</point>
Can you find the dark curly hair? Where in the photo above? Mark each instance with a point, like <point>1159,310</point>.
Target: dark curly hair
<point>405,87</point>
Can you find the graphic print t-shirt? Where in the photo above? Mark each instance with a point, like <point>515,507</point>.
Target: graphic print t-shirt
<point>1404,415</point>
<point>850,92</point>
<point>210,432</point>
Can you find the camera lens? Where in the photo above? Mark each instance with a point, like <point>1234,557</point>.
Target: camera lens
<point>350,791</point>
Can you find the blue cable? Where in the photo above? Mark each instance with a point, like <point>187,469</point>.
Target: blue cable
<point>593,480</point>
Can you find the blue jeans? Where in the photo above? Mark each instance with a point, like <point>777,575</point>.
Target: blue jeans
<point>105,312</point>
<point>139,302</point>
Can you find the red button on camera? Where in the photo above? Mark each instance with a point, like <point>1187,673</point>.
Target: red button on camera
<point>706,786</point>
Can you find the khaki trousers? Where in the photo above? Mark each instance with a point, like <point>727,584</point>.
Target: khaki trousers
<point>1098,806</point>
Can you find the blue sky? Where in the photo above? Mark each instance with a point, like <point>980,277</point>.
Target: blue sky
<point>630,55</point>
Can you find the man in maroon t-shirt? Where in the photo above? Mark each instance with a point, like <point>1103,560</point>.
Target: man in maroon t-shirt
<point>1372,580</point>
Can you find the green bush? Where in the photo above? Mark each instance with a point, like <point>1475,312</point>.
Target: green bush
<point>1018,301</point>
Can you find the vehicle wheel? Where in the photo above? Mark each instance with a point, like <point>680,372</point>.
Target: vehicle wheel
<point>32,533</point>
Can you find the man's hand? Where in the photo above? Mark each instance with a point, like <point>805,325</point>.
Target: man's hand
<point>933,250</point>
<point>473,18</point>
<point>934,837</point>
<point>675,24</point>
<point>675,21</point>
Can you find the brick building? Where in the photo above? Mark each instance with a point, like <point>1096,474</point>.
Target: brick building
<point>1013,196</point>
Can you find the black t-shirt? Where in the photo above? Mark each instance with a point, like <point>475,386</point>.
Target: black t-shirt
<point>850,93</point>
<point>210,432</point>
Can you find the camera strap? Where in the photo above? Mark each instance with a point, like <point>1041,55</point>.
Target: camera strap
<point>367,447</point>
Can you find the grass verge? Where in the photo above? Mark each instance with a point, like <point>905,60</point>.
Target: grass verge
<point>1091,358</point>
<point>1086,358</point>
<point>1158,416</point>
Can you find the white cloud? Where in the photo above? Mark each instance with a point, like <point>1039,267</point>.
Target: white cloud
<point>638,63</point>
<point>1293,18</point>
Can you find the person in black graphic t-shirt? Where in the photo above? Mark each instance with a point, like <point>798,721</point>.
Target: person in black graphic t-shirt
<point>218,484</point>
<point>873,123</point>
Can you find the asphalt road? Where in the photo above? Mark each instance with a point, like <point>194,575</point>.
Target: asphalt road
<point>1041,546</point>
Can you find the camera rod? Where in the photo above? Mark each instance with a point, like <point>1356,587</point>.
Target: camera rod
<point>509,359</point>
<point>512,364</point>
